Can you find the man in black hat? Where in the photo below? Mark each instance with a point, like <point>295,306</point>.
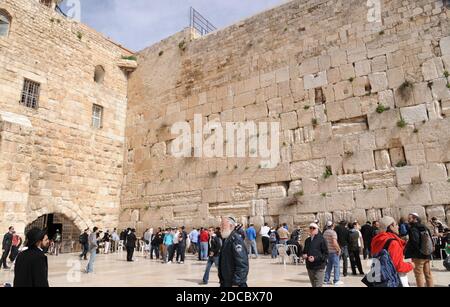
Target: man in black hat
<point>6,246</point>
<point>31,269</point>
<point>233,259</point>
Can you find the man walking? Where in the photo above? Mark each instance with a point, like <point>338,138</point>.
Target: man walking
<point>93,245</point>
<point>6,246</point>
<point>334,251</point>
<point>204,238</point>
<point>131,244</point>
<point>84,241</point>
<point>420,249</point>
<point>315,254</point>
<point>181,249</point>
<point>367,233</point>
<point>193,237</point>
<point>251,241</point>
<point>215,244</point>
<point>354,249</point>
<point>57,240</point>
<point>233,258</point>
<point>343,240</point>
<point>264,232</point>
<point>31,269</point>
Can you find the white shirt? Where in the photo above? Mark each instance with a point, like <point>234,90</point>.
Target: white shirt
<point>264,232</point>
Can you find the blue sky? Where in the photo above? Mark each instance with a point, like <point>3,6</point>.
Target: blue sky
<point>137,24</point>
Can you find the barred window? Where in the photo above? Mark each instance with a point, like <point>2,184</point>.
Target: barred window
<point>97,116</point>
<point>30,94</point>
<point>5,22</point>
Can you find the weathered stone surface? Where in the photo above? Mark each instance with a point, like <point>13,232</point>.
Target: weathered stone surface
<point>415,114</point>
<point>379,179</point>
<point>445,45</point>
<point>378,81</point>
<point>370,199</point>
<point>440,192</point>
<point>361,161</point>
<point>308,169</point>
<point>409,195</point>
<point>340,201</point>
<point>350,182</point>
<point>382,159</point>
<point>272,191</point>
<point>406,174</point>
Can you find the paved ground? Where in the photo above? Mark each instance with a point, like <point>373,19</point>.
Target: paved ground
<point>114,271</point>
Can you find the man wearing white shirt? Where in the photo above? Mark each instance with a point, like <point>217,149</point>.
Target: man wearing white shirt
<point>264,232</point>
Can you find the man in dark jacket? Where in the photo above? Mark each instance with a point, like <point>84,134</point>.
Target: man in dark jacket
<point>84,241</point>
<point>31,269</point>
<point>343,240</point>
<point>315,254</point>
<point>6,246</point>
<point>422,265</point>
<point>215,244</point>
<point>233,259</point>
<point>367,234</point>
<point>131,244</point>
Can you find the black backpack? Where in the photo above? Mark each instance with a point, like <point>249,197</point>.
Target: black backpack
<point>82,239</point>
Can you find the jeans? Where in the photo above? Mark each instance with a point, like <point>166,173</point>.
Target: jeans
<point>316,277</point>
<point>85,251</point>
<point>211,261</point>
<point>274,249</point>
<point>194,247</point>
<point>171,252</point>
<point>333,263</point>
<point>156,249</point>
<point>90,266</point>
<point>204,250</point>
<point>266,244</point>
<point>422,272</point>
<point>344,256</point>
<point>251,247</point>
<point>5,256</point>
<point>181,250</point>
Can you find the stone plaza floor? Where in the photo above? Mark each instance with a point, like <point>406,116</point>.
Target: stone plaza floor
<point>113,271</point>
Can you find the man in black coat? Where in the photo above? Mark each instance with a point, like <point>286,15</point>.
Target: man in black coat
<point>233,259</point>
<point>6,246</point>
<point>131,244</point>
<point>315,254</point>
<point>343,235</point>
<point>367,234</point>
<point>31,269</point>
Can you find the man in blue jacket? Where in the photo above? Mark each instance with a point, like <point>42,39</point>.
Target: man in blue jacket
<point>251,241</point>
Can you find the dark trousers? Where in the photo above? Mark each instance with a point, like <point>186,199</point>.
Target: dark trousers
<point>355,261</point>
<point>171,251</point>
<point>266,244</point>
<point>366,250</point>
<point>85,251</point>
<point>344,255</point>
<point>181,250</point>
<point>14,253</point>
<point>199,250</point>
<point>5,256</point>
<point>156,249</point>
<point>130,252</point>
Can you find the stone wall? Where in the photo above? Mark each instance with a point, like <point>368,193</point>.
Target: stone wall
<point>51,159</point>
<point>363,108</point>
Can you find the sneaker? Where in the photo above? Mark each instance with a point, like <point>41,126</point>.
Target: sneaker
<point>182,262</point>
<point>339,283</point>
<point>169,262</point>
<point>327,283</point>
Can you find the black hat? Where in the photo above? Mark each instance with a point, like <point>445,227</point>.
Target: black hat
<point>33,236</point>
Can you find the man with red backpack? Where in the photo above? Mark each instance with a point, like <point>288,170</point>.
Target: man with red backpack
<point>420,249</point>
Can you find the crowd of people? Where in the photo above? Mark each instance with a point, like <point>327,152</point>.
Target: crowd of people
<point>230,246</point>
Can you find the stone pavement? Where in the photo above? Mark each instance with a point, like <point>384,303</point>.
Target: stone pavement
<point>114,271</point>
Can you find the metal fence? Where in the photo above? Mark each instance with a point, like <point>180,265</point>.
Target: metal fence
<point>200,23</point>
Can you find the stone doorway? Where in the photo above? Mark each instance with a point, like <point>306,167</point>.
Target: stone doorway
<point>69,231</point>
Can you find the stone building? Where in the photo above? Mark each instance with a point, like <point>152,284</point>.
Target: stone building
<point>362,95</point>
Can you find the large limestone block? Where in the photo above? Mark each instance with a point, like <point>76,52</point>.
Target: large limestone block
<point>378,81</point>
<point>330,148</point>
<point>289,120</point>
<point>276,191</point>
<point>405,211</point>
<point>396,77</point>
<point>295,187</point>
<point>350,182</point>
<point>440,192</point>
<point>347,71</point>
<point>361,161</point>
<point>406,174</point>
<point>440,89</point>
<point>436,211</point>
<point>382,159</point>
<point>397,155</point>
<point>387,119</point>
<point>379,178</point>
<point>445,45</point>
<point>328,185</point>
<point>374,215</point>
<point>309,66</point>
<point>315,80</point>
<point>343,90</point>
<point>340,201</point>
<point>310,186</point>
<point>307,169</point>
<point>311,204</point>
<point>370,199</point>
<point>422,93</point>
<point>429,70</point>
<point>409,195</point>
<point>301,152</point>
<point>415,154</point>
<point>359,215</point>
<point>362,68</point>
<point>414,114</point>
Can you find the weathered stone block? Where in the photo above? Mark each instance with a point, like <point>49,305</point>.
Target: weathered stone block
<point>382,159</point>
<point>379,179</point>
<point>415,154</point>
<point>350,182</point>
<point>340,201</point>
<point>440,192</point>
<point>307,169</point>
<point>378,81</point>
<point>362,68</point>
<point>316,80</point>
<point>415,114</point>
<point>396,77</point>
<point>343,90</point>
<point>361,161</point>
<point>406,174</point>
<point>370,199</point>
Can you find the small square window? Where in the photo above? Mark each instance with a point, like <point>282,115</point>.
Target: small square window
<point>97,116</point>
<point>30,94</point>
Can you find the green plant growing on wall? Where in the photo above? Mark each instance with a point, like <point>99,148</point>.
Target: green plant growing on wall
<point>129,58</point>
<point>446,73</point>
<point>381,32</point>
<point>299,194</point>
<point>448,85</point>
<point>401,123</point>
<point>306,107</point>
<point>401,164</point>
<point>349,153</point>
<point>161,53</point>
<point>324,194</point>
<point>314,122</point>
<point>79,35</point>
<point>351,79</point>
<point>381,108</point>
<point>328,172</point>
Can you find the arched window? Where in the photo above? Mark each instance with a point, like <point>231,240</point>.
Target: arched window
<point>99,74</point>
<point>5,22</point>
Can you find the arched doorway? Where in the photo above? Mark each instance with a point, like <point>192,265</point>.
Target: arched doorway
<point>56,221</point>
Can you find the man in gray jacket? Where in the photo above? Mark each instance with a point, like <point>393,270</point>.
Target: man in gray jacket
<point>93,245</point>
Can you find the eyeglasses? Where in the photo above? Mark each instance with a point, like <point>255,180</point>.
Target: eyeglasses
<point>312,228</point>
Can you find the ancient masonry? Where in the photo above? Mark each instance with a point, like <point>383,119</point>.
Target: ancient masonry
<point>364,109</point>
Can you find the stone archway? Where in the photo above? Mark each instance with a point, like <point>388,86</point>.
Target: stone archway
<point>69,231</point>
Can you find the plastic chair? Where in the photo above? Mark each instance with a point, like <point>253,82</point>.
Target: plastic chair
<point>120,247</point>
<point>142,247</point>
<point>293,253</point>
<point>282,253</point>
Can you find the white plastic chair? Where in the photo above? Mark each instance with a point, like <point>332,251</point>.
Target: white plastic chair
<point>142,247</point>
<point>120,247</point>
<point>282,253</point>
<point>293,253</point>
